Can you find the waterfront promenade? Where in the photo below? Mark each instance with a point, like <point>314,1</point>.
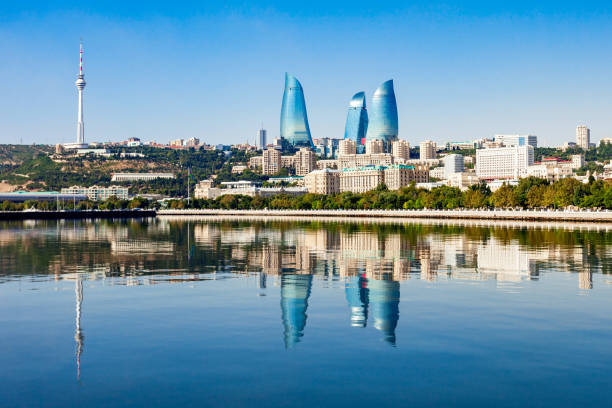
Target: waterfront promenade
<point>514,215</point>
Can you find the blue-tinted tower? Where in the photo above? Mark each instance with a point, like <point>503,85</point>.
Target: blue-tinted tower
<point>357,119</point>
<point>384,306</point>
<point>383,114</point>
<point>356,289</point>
<point>294,120</point>
<point>295,291</point>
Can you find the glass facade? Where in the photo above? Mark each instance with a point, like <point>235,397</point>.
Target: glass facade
<point>357,119</point>
<point>383,114</point>
<point>294,120</point>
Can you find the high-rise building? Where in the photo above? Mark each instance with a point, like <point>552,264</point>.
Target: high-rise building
<point>270,161</point>
<point>504,162</point>
<point>262,139</point>
<point>294,120</point>
<point>517,140</point>
<point>583,137</point>
<point>453,163</point>
<point>305,161</point>
<point>427,150</point>
<point>400,149</point>
<point>357,119</point>
<point>80,84</point>
<point>383,121</point>
<point>374,146</point>
<point>346,147</point>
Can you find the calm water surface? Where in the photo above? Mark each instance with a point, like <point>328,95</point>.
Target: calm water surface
<point>267,313</point>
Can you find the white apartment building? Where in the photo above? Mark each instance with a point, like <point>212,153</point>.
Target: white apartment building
<point>118,177</point>
<point>427,150</point>
<point>400,149</point>
<point>504,162</point>
<point>305,161</point>
<point>270,161</point>
<point>583,136</point>
<point>517,140</point>
<point>374,146</point>
<point>95,193</point>
<point>324,181</point>
<point>437,173</point>
<point>453,163</point>
<point>346,147</point>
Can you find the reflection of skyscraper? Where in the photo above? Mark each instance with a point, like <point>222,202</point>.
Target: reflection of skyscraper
<point>78,333</point>
<point>384,306</point>
<point>585,278</point>
<point>294,119</point>
<point>357,119</point>
<point>383,123</point>
<point>295,291</point>
<point>357,297</point>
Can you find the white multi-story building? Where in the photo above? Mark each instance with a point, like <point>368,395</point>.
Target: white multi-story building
<point>504,162</point>
<point>400,149</point>
<point>324,181</point>
<point>305,161</point>
<point>346,147</point>
<point>517,140</point>
<point>374,146</point>
<point>583,137</point>
<point>95,193</point>
<point>453,163</point>
<point>140,176</point>
<point>270,161</point>
<point>427,150</point>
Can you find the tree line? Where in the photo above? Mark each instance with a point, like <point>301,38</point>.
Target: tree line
<point>530,192</point>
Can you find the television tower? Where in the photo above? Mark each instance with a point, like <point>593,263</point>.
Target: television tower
<point>80,84</point>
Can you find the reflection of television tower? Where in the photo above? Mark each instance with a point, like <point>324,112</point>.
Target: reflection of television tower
<point>80,84</point>
<point>78,334</point>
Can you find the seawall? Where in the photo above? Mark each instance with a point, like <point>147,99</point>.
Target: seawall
<point>56,215</point>
<point>510,215</point>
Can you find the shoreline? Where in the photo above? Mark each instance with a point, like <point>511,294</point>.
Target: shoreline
<point>489,215</point>
<point>72,215</point>
<point>537,216</point>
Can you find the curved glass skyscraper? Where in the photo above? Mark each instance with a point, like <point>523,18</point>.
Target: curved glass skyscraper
<point>357,119</point>
<point>383,114</point>
<point>294,120</point>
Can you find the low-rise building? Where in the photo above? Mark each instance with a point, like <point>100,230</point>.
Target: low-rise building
<point>239,169</point>
<point>401,175</point>
<point>462,180</point>
<point>437,173</point>
<point>327,164</point>
<point>119,177</point>
<point>96,193</point>
<point>324,181</point>
<point>361,179</point>
<point>205,190</point>
<point>362,160</point>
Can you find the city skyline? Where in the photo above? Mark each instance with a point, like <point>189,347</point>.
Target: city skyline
<point>489,70</point>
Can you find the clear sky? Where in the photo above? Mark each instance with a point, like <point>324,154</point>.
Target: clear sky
<point>165,70</point>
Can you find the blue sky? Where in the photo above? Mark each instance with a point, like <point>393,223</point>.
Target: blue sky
<point>161,70</point>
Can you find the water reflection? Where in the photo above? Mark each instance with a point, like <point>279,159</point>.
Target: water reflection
<point>368,260</point>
